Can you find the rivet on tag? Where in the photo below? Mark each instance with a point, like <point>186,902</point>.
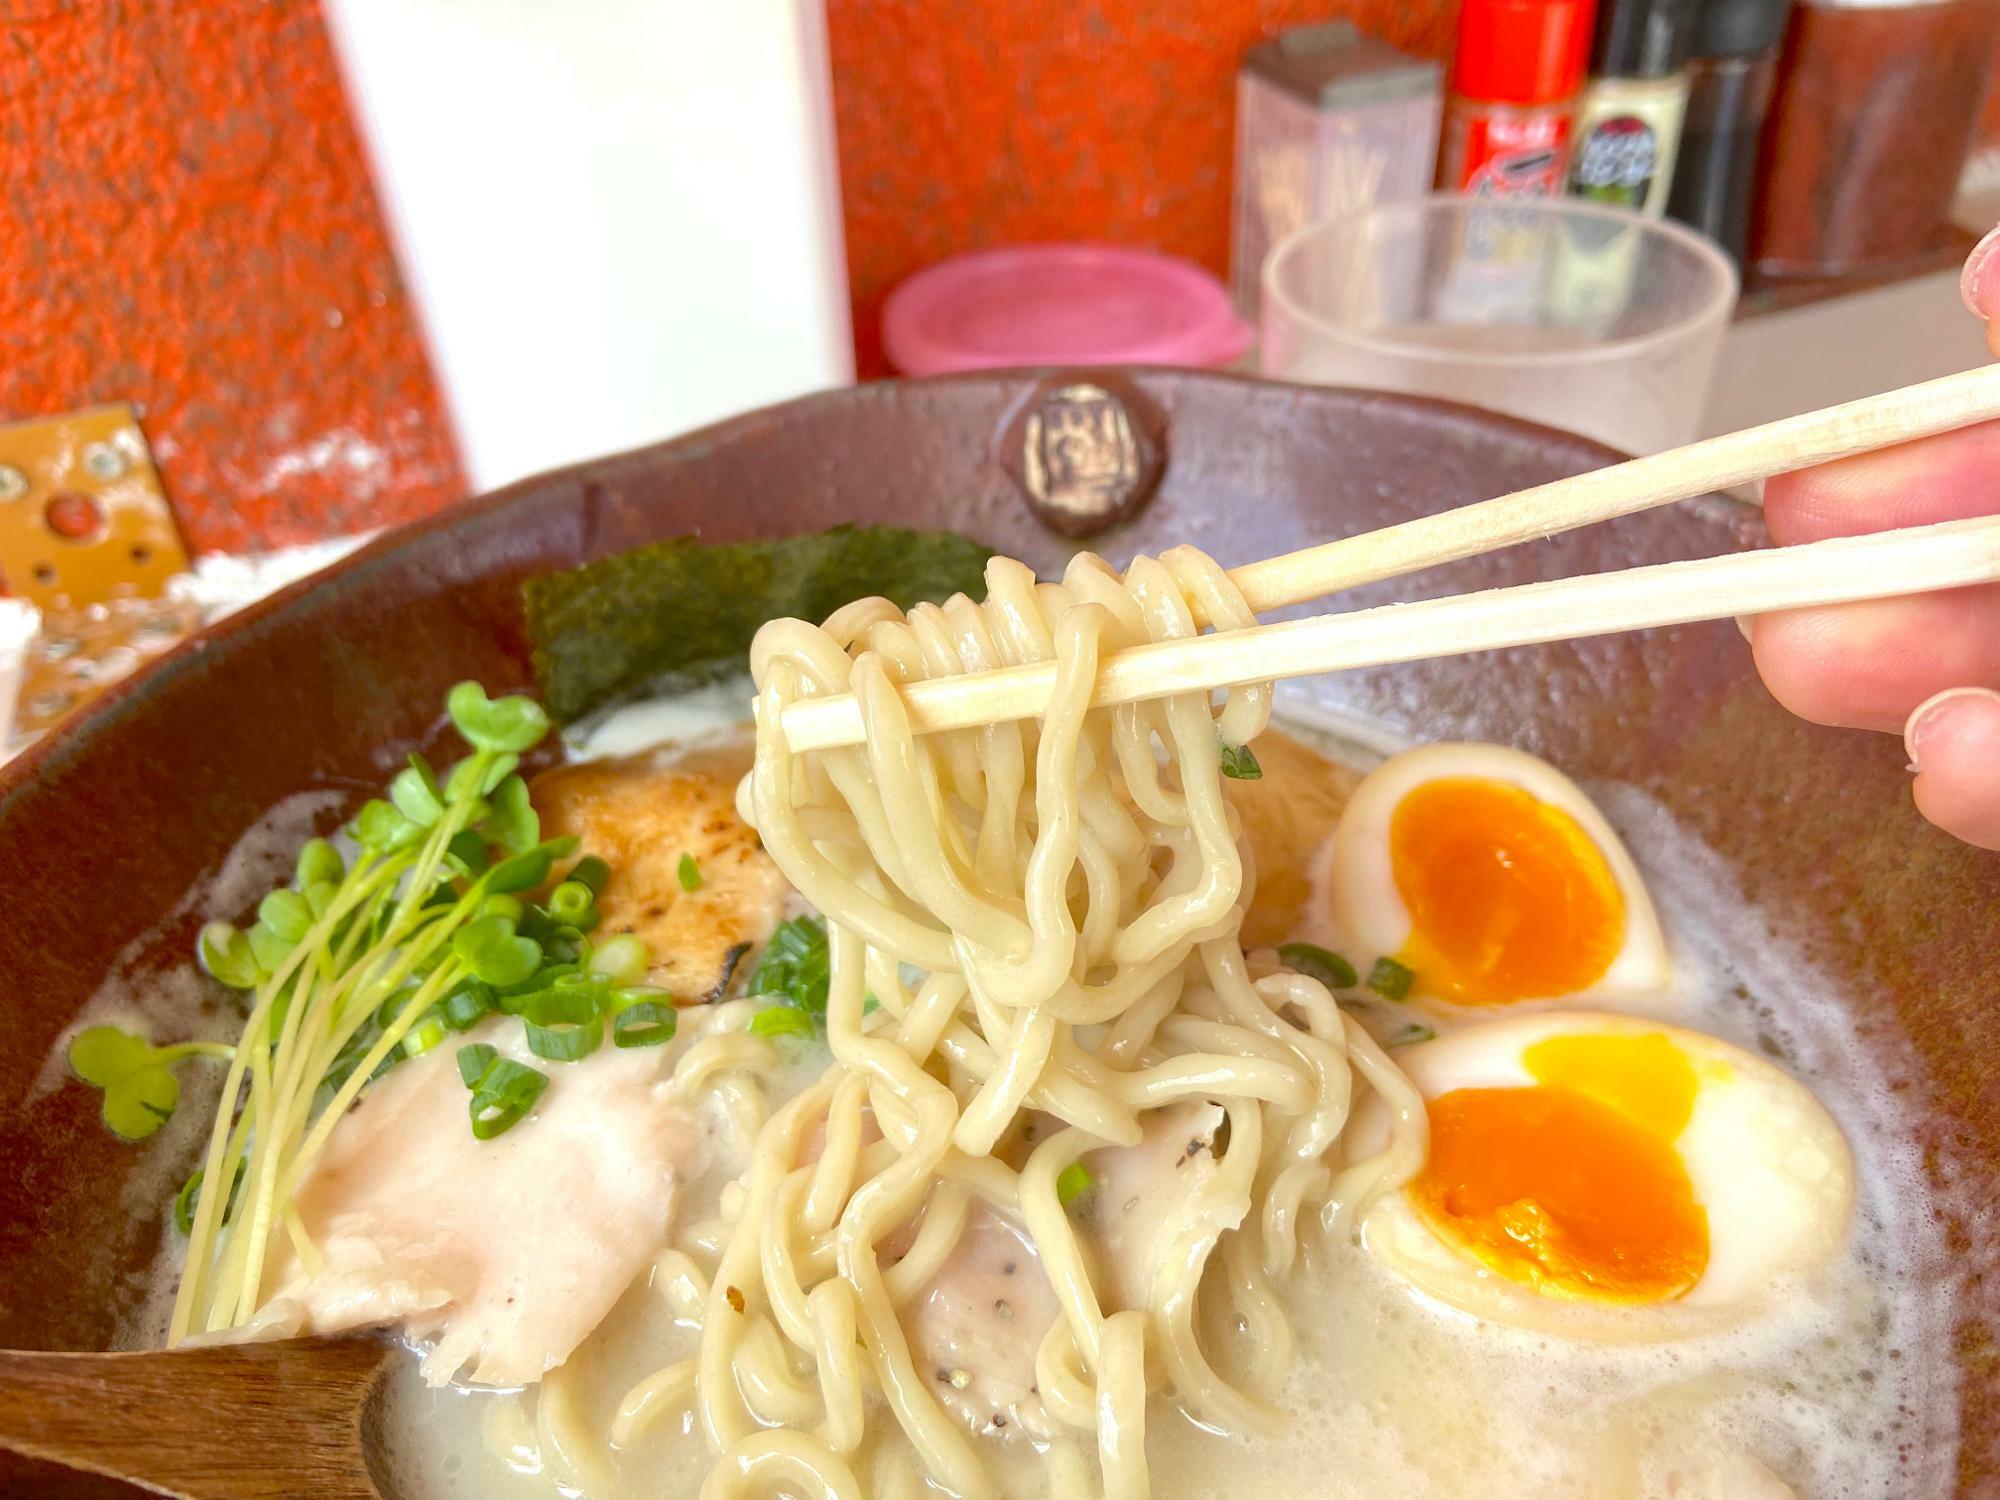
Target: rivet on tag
<point>83,519</point>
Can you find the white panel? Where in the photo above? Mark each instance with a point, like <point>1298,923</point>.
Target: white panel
<point>620,218</point>
<point>1784,363</point>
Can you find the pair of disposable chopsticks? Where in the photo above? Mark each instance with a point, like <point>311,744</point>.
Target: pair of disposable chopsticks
<point>1914,560</point>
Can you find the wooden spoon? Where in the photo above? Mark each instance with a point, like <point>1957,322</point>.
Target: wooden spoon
<point>270,1421</point>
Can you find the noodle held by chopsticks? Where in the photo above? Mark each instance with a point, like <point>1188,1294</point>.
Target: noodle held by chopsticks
<point>1047,915</point>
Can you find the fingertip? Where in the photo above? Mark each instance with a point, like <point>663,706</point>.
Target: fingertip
<point>1979,281</point>
<point>1953,740</point>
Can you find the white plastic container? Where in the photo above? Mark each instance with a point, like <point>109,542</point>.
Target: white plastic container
<point>1329,123</point>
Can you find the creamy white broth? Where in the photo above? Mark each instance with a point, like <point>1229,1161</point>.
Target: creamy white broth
<point>1842,1389</point>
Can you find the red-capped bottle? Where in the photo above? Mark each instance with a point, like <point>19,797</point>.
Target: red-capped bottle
<point>1515,76</point>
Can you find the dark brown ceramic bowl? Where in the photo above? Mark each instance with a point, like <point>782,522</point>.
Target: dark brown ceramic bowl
<point>105,829</point>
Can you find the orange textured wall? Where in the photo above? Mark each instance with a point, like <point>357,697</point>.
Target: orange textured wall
<point>978,122</point>
<point>190,225</point>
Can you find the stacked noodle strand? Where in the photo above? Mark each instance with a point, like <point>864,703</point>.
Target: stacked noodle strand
<point>1047,916</point>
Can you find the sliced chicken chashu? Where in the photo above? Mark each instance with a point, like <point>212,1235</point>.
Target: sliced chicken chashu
<point>505,1253</point>
<point>1156,1209</point>
<point>1152,1207</point>
<point>1287,814</point>
<point>642,814</point>
<point>975,1330</point>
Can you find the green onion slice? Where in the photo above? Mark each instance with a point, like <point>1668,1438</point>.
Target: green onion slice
<point>565,1023</point>
<point>1323,964</point>
<point>473,1060</point>
<point>781,1020</point>
<point>1390,979</point>
<point>572,902</point>
<point>621,959</point>
<point>644,1023</point>
<point>689,873</point>
<point>795,965</point>
<point>425,1035</point>
<point>506,1092</point>
<point>1073,1182</point>
<point>467,1004</point>
<point>1238,764</point>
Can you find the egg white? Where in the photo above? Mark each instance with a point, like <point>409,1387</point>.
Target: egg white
<point>1357,877</point>
<point>1765,1159</point>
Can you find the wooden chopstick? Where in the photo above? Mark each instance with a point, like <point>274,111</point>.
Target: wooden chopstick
<point>1716,463</point>
<point>1918,559</point>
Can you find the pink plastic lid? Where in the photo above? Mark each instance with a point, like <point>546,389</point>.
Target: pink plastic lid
<point>1060,305</point>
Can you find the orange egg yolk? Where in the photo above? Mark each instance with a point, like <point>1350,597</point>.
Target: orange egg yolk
<point>1573,1185</point>
<point>1509,899</point>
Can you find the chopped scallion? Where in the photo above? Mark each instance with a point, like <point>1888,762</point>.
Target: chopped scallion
<point>689,873</point>
<point>506,1092</point>
<point>795,965</point>
<point>781,1020</point>
<point>1323,964</point>
<point>1238,763</point>
<point>622,959</point>
<point>468,1004</point>
<point>565,1023</point>
<point>1073,1182</point>
<point>644,1023</point>
<point>573,903</point>
<point>473,1060</point>
<point>426,1034</point>
<point>1390,979</point>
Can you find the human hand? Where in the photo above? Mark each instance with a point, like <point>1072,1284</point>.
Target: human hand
<point>1928,665</point>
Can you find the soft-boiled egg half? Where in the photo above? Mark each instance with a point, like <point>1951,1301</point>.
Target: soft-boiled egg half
<point>1492,878</point>
<point>1601,1176</point>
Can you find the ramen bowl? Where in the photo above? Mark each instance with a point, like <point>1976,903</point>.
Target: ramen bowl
<point>110,830</point>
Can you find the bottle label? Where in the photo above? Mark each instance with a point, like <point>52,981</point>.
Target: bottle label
<point>1616,162</point>
<point>1515,155</point>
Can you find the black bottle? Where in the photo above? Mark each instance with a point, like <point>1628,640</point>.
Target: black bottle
<point>1735,60</point>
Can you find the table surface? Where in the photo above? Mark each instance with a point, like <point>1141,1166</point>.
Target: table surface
<point>1783,363</point>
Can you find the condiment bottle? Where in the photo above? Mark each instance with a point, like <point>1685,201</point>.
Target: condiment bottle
<point>1329,121</point>
<point>1873,112</point>
<point>1629,122</point>
<point>1730,75</point>
<point>1514,79</point>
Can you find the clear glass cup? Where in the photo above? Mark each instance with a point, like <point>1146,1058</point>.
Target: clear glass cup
<point>1575,315</point>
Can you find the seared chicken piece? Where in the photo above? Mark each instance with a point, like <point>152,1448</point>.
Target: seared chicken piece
<point>642,814</point>
<point>505,1252</point>
<point>1287,815</point>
